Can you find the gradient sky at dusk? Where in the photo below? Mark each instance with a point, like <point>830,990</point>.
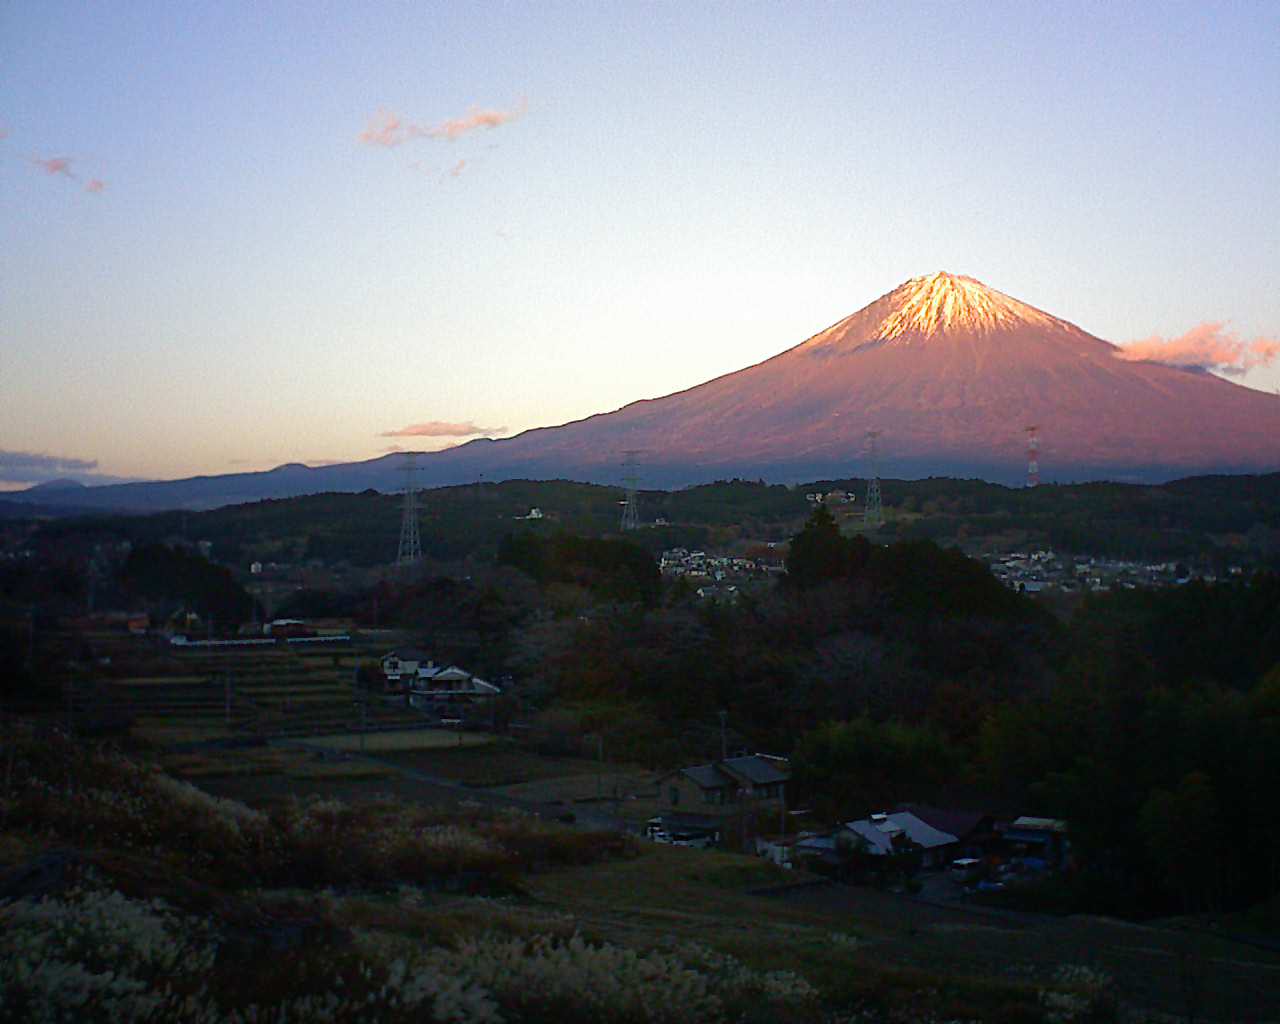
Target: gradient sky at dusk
<point>206,270</point>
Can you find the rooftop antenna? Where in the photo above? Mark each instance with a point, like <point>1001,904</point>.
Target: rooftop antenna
<point>631,483</point>
<point>872,512</point>
<point>1033,456</point>
<point>410,552</point>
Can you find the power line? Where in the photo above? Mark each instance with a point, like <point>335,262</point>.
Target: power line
<point>410,552</point>
<point>631,484</point>
<point>872,512</point>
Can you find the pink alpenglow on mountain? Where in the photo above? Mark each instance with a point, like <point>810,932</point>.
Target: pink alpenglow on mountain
<point>948,371</point>
<point>951,372</point>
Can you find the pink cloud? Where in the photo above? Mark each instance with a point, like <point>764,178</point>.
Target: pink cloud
<point>96,185</point>
<point>54,165</point>
<point>439,428</point>
<point>386,129</point>
<point>457,127</point>
<point>1207,346</point>
<point>457,168</point>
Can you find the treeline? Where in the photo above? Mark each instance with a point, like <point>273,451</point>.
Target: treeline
<point>175,578</point>
<point>1156,743</point>
<point>1214,520</point>
<point>608,569</point>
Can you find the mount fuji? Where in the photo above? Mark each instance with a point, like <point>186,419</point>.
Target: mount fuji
<point>949,371</point>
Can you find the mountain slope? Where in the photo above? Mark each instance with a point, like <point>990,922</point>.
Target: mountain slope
<point>950,371</point>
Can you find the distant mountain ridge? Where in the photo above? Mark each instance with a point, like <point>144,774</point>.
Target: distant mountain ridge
<point>950,371</point>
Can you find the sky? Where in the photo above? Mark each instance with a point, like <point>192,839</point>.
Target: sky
<point>240,234</point>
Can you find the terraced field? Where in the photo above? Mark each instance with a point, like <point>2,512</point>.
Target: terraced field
<point>265,692</point>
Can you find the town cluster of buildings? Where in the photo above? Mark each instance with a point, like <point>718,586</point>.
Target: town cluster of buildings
<point>716,577</point>
<point>830,498</point>
<point>1037,571</point>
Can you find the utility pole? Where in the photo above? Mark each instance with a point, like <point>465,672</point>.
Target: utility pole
<point>362,698</point>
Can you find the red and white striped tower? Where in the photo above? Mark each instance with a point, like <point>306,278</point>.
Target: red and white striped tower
<point>1033,456</point>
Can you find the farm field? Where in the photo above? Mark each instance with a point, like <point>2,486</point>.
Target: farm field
<point>503,763</point>
<point>407,739</point>
<point>181,695</point>
<point>290,763</point>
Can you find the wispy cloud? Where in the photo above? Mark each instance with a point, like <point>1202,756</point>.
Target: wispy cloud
<point>54,165</point>
<point>439,428</point>
<point>456,169</point>
<point>96,185</point>
<point>385,129</point>
<point>36,467</point>
<point>388,129</point>
<point>1207,346</point>
<point>457,127</point>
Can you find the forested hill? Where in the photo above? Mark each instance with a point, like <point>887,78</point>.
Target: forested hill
<point>1221,518</point>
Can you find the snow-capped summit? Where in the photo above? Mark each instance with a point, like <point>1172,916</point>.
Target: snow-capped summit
<point>926,305</point>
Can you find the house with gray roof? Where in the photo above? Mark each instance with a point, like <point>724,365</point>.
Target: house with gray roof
<point>901,832</point>
<point>400,666</point>
<point>726,783</point>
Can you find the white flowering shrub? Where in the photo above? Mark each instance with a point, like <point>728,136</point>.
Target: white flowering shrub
<point>556,979</point>
<point>735,981</point>
<point>1084,994</point>
<point>549,979</point>
<point>101,957</point>
<point>97,956</point>
<point>230,813</point>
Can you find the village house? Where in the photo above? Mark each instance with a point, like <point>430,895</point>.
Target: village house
<point>1043,841</point>
<point>975,832</point>
<point>400,667</point>
<point>448,685</point>
<point>881,835</point>
<point>726,783</point>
